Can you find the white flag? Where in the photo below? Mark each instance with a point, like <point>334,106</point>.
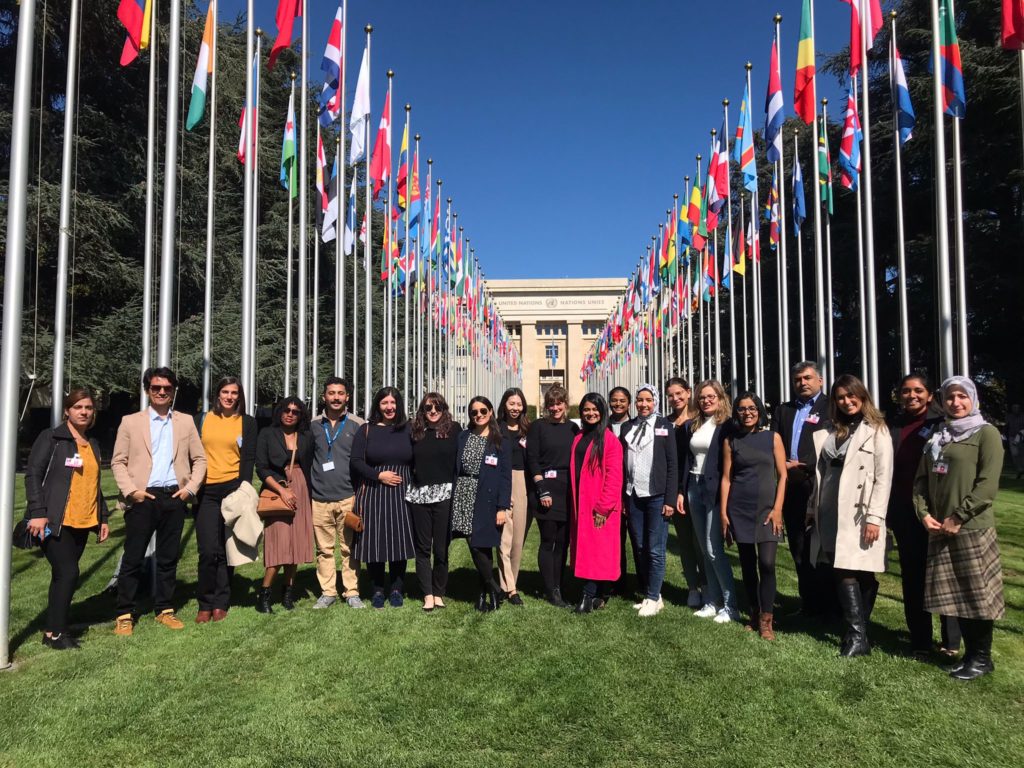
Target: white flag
<point>360,111</point>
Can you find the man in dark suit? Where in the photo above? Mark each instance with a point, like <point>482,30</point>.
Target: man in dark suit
<point>796,421</point>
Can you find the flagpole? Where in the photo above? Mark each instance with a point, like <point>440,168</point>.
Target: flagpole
<point>901,245</point>
<point>211,174</point>
<point>743,286</point>
<point>431,299</point>
<point>368,253</point>
<point>314,352</point>
<point>64,242</point>
<point>147,251</point>
<point>165,308</point>
<point>869,217</point>
<point>830,316</point>
<point>339,251</point>
<point>387,364</point>
<point>758,308</point>
<point>865,367</point>
<point>799,260</point>
<point>288,281</point>
<point>718,284</point>
<point>819,266</point>
<point>678,360</point>
<point>247,308</point>
<point>733,364</point>
<point>252,233</point>
<point>408,252</point>
<point>958,233</point>
<point>419,271</point>
<point>689,301</point>
<point>303,279</point>
<point>784,262</point>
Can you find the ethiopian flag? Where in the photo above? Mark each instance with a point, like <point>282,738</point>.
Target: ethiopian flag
<point>204,66</point>
<point>803,95</point>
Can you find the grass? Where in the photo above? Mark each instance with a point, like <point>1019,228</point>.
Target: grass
<point>534,686</point>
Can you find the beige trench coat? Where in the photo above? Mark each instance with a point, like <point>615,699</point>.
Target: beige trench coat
<point>863,498</point>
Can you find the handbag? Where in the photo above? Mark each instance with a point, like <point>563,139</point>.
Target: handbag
<point>271,504</point>
<point>352,519</point>
<point>23,538</point>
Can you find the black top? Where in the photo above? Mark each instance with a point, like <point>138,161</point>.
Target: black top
<point>782,422</point>
<point>273,456</point>
<point>516,439</point>
<point>548,445</point>
<point>433,458</point>
<point>48,478</point>
<point>376,446</point>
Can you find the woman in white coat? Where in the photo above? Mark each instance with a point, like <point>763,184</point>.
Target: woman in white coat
<point>847,509</point>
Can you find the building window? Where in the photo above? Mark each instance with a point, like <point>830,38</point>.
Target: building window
<point>592,327</point>
<point>551,329</point>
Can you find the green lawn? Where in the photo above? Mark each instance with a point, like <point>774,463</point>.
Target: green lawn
<point>534,686</point>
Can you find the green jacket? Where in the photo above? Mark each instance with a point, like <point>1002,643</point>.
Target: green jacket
<point>968,488</point>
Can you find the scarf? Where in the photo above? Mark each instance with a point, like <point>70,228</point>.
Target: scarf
<point>956,430</point>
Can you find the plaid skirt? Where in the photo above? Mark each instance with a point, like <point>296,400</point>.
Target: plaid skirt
<point>963,576</point>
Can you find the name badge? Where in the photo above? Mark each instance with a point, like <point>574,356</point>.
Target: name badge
<point>75,462</point>
<point>491,461</point>
<point>812,419</point>
<point>522,442</point>
<point>239,441</point>
<point>550,474</point>
<point>940,468</point>
<point>925,432</point>
<point>328,466</point>
<point>660,432</point>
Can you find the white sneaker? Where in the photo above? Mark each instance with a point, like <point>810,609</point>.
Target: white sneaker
<point>724,616</point>
<point>638,606</point>
<point>694,600</point>
<point>661,603</point>
<point>650,608</point>
<point>706,612</point>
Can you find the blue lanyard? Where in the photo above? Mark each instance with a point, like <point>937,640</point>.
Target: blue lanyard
<point>332,438</point>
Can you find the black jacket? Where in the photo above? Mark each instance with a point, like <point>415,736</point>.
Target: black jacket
<point>273,457</point>
<point>247,457</point>
<point>493,490</point>
<point>713,462</point>
<point>782,422</point>
<point>664,479</point>
<point>48,480</point>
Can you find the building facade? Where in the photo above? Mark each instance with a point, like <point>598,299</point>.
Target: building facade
<point>554,323</point>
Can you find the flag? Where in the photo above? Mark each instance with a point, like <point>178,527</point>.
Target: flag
<point>402,180</point>
<point>824,171</point>
<point>693,210</point>
<point>1013,24</point>
<point>204,66</point>
<point>415,201</point>
<point>773,108</point>
<point>718,174</point>
<point>288,149</point>
<point>287,12</point>
<point>136,16</point>
<point>380,162</point>
<point>849,147</point>
<point>771,211</point>
<point>855,28</point>
<point>255,112</point>
<point>743,147</point>
<point>360,116</point>
<point>435,227</point>
<point>901,94</point>
<point>954,102</point>
<point>322,196</point>
<point>799,206</point>
<point>330,228</point>
<point>349,243</point>
<point>753,241</point>
<point>739,265</point>
<point>333,67</point>
<point>803,92</point>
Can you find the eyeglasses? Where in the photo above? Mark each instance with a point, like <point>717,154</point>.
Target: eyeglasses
<point>479,412</point>
<point>293,411</point>
<point>747,409</point>
<point>432,408</point>
<point>161,388</point>
<point>702,398</point>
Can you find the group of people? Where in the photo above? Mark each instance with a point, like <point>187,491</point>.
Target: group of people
<point>825,472</point>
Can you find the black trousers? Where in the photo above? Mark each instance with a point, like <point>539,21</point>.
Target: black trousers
<point>63,553</point>
<point>483,559</point>
<point>164,516</point>
<point>214,590</point>
<point>552,553</point>
<point>757,562</point>
<point>430,528</point>
<point>813,584</point>
<point>379,573</point>
<point>624,531</point>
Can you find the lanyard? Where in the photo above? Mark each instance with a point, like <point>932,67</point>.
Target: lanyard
<point>337,433</point>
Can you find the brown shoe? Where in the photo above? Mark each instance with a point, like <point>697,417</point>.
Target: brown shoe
<point>754,623</point>
<point>219,614</point>
<point>169,620</point>
<point>124,625</point>
<point>765,628</point>
<point>203,616</point>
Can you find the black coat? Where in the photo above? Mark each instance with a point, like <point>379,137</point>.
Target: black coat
<point>247,457</point>
<point>273,457</point>
<point>48,480</point>
<point>493,491</point>
<point>782,422</point>
<point>713,462</point>
<point>664,479</point>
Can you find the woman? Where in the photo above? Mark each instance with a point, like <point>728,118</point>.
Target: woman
<point>429,496</point>
<point>752,489</point>
<point>954,491</point>
<point>284,458</point>
<point>514,424</point>
<point>847,508</point>
<point>65,503</point>
<point>911,429</point>
<point>596,472</point>
<point>229,440</point>
<point>483,494</point>
<point>619,401</point>
<point>652,484</point>
<point>677,392</point>
<point>700,485</point>
<point>548,448</point>
<point>381,461</point>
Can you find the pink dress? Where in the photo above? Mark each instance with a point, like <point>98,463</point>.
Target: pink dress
<point>595,551</point>
<point>289,540</point>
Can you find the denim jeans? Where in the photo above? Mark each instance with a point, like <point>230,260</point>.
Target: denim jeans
<point>650,532</point>
<point>707,523</point>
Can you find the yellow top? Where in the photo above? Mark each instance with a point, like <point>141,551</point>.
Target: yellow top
<point>222,439</point>
<point>82,510</point>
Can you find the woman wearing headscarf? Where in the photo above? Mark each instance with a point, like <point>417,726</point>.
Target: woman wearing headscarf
<point>652,486</point>
<point>954,491</point>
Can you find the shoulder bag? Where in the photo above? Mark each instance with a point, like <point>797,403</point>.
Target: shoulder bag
<point>270,503</point>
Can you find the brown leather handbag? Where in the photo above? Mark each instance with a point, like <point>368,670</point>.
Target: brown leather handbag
<point>352,519</point>
<point>271,504</point>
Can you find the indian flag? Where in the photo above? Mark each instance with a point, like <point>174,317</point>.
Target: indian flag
<point>204,66</point>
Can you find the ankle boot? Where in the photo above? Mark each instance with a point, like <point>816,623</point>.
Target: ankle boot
<point>856,641</point>
<point>288,599</point>
<point>977,661</point>
<point>494,599</point>
<point>481,602</point>
<point>586,605</point>
<point>555,598</point>
<point>263,601</point>
<point>764,628</point>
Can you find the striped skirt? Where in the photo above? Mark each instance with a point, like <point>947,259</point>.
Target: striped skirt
<point>963,576</point>
<point>387,527</point>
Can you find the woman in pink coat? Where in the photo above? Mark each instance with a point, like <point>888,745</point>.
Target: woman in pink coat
<point>596,472</point>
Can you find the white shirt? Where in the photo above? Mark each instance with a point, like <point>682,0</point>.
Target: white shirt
<point>640,445</point>
<point>700,442</point>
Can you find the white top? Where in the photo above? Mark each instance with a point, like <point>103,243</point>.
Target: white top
<point>700,442</point>
<point>640,456</point>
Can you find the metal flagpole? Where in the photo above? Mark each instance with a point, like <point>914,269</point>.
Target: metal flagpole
<point>211,173</point>
<point>743,286</point>
<point>165,310</point>
<point>368,254</point>
<point>689,298</point>
<point>388,363</point>
<point>819,266</point>
<point>424,203</point>
<point>339,251</point>
<point>314,352</point>
<point>958,233</point>
<point>252,233</point>
<point>303,279</point>
<point>408,277</point>
<point>64,242</point>
<point>733,372</point>
<point>901,245</point>
<point>718,284</point>
<point>830,315</point>
<point>784,360</point>
<point>755,229</point>
<point>147,249</point>
<point>247,123</point>
<point>869,218</point>
<point>700,289</point>
<point>430,386</point>
<point>289,287</point>
<point>865,367</point>
<point>678,359</point>
<point>799,264</point>
<point>945,309</point>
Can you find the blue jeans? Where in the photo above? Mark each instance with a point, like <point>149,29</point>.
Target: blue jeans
<point>650,532</point>
<point>707,522</point>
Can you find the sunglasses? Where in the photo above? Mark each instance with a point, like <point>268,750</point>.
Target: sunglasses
<point>293,411</point>
<point>479,412</point>
<point>431,408</point>
<point>161,388</point>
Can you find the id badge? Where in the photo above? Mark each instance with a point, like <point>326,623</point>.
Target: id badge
<point>925,432</point>
<point>75,462</point>
<point>328,466</point>
<point>550,474</point>
<point>522,442</point>
<point>660,432</point>
<point>940,468</point>
<point>491,461</point>
<point>812,419</point>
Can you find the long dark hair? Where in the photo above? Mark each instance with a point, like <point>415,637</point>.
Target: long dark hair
<point>224,382</point>
<point>493,433</point>
<point>376,416</point>
<point>420,423</point>
<point>868,412</point>
<point>303,423</point>
<point>599,429</point>
<point>762,412</point>
<point>523,422</point>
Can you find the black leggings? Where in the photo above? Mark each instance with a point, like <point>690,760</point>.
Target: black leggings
<point>63,552</point>
<point>757,561</point>
<point>552,552</point>
<point>484,561</point>
<point>379,578</point>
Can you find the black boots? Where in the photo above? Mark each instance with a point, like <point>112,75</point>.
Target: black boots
<point>288,599</point>
<point>481,603</point>
<point>852,604</point>
<point>263,601</point>
<point>586,605</point>
<point>555,598</point>
<point>977,660</point>
<point>489,600</point>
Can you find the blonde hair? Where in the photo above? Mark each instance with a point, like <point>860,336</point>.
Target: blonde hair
<point>722,413</point>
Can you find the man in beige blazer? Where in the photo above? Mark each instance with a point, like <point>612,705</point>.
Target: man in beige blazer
<point>159,465</point>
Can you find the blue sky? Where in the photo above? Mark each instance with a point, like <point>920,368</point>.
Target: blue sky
<point>561,129</point>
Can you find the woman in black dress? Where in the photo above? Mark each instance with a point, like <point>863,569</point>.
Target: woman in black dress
<point>753,486</point>
<point>483,494</point>
<point>548,449</point>
<point>381,461</point>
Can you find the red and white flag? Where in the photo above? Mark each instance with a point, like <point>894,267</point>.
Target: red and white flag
<point>380,161</point>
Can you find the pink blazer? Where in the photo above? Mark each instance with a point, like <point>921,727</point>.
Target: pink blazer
<point>595,551</point>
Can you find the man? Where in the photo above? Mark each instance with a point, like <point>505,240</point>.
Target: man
<point>333,496</point>
<point>796,421</point>
<point>159,464</point>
